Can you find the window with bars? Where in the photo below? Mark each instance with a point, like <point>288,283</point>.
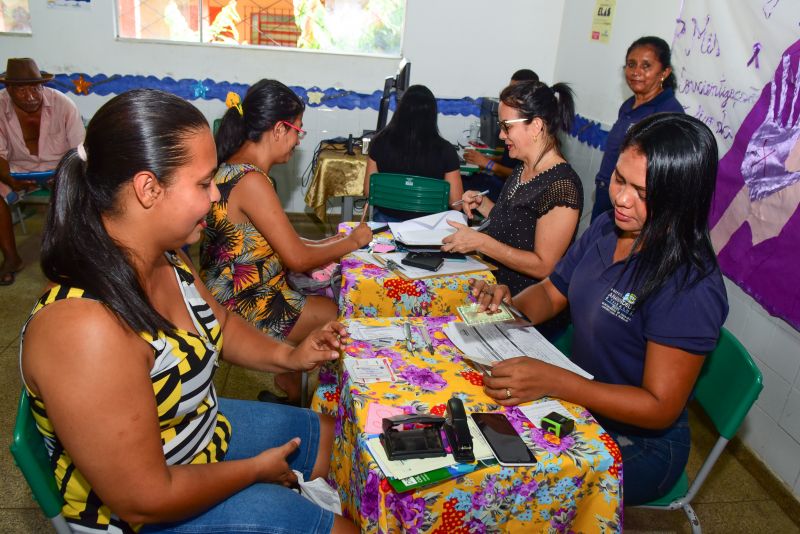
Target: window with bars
<point>349,26</point>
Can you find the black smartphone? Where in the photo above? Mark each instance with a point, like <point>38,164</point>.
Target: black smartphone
<point>423,260</point>
<point>507,445</point>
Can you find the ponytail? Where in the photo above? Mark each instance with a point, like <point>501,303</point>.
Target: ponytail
<point>138,130</point>
<point>555,105</point>
<point>231,134</point>
<point>565,108</point>
<point>266,103</point>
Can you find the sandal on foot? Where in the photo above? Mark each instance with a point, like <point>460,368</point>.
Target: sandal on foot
<point>268,396</point>
<point>6,279</point>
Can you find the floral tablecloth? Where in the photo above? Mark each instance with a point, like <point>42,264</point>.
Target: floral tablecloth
<point>372,291</point>
<point>574,487</point>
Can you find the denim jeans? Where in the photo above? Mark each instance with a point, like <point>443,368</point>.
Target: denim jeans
<point>602,202</point>
<point>263,508</point>
<point>652,465</point>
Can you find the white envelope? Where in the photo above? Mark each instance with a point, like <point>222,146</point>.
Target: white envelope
<point>427,230</point>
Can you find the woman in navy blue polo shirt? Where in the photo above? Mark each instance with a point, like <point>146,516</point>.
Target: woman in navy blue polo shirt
<point>646,299</point>
<point>648,73</point>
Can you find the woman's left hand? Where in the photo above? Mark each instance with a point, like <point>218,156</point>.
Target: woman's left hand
<point>318,347</point>
<point>519,380</point>
<point>464,240</point>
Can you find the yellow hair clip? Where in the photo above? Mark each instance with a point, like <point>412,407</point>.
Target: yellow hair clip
<point>232,100</point>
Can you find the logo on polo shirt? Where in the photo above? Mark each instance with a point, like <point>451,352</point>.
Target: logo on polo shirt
<point>619,305</point>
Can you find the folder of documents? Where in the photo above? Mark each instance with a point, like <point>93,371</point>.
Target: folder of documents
<point>428,230</point>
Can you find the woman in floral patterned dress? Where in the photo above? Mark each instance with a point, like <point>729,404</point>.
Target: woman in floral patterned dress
<point>249,242</point>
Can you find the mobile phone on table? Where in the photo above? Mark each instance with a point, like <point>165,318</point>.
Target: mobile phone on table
<point>378,228</point>
<point>507,445</point>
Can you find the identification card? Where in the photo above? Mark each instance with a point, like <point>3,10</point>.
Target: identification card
<point>471,316</point>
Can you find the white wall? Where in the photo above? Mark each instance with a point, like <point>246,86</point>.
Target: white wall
<point>772,429</point>
<point>448,43</point>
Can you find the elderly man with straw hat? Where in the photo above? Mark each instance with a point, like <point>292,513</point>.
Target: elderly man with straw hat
<point>38,125</point>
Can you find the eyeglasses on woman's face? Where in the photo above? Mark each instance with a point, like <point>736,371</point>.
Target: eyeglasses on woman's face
<point>505,125</point>
<point>300,132</point>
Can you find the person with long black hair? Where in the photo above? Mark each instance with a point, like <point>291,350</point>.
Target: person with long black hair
<point>411,144</point>
<point>647,302</point>
<point>536,216</point>
<point>249,242</point>
<point>118,356</point>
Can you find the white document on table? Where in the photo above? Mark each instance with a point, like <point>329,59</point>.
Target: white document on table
<point>369,370</point>
<point>363,332</point>
<point>449,267</point>
<point>428,230</point>
<point>367,257</point>
<point>534,412</point>
<point>494,342</point>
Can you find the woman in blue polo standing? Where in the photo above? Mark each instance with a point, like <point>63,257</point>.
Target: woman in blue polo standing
<point>648,73</point>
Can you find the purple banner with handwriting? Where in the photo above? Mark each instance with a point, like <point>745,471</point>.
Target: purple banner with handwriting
<point>755,225</point>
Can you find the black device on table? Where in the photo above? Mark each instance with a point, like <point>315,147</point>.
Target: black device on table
<point>436,251</point>
<point>506,443</point>
<point>430,261</point>
<point>457,430</point>
<point>557,424</point>
<point>423,441</point>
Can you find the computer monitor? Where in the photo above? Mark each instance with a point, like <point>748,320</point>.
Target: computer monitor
<point>399,83</point>
<point>403,78</point>
<point>490,130</point>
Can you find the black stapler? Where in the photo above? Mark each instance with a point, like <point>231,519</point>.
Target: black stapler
<point>457,431</point>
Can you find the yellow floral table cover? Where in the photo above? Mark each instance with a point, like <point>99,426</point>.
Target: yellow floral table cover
<point>337,174</point>
<point>574,487</point>
<point>372,291</point>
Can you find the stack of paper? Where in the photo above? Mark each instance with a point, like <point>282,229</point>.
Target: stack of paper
<point>428,230</point>
<point>494,342</point>
<point>449,267</point>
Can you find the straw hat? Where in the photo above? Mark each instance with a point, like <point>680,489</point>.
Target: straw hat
<point>23,71</point>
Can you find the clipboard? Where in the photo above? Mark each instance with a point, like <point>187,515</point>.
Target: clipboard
<point>382,259</point>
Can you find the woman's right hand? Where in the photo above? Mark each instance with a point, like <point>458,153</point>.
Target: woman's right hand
<point>489,296</point>
<point>320,346</point>
<point>273,467</point>
<point>361,235</point>
<point>471,201</point>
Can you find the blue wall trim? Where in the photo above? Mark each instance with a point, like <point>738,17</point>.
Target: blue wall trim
<point>208,89</point>
<point>585,130</point>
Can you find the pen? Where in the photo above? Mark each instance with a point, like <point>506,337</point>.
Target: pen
<point>393,265</point>
<point>427,337</point>
<point>364,213</point>
<point>459,202</point>
<point>409,343</point>
<point>484,225</point>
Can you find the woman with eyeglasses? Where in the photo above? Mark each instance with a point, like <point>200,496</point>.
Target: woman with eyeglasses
<point>411,144</point>
<point>648,73</point>
<point>249,242</point>
<point>647,302</point>
<point>536,216</point>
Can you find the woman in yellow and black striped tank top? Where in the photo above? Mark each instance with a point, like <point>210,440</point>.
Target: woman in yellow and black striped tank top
<point>119,355</point>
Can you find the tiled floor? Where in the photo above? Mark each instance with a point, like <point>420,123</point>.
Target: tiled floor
<point>740,495</point>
